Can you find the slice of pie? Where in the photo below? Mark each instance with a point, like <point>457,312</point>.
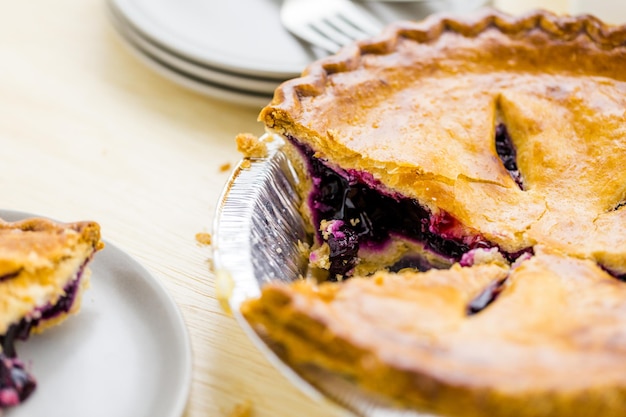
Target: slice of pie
<point>489,152</point>
<point>43,273</point>
<point>546,338</point>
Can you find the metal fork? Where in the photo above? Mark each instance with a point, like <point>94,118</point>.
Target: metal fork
<point>328,24</point>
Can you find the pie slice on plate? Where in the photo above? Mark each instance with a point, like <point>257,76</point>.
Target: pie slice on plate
<point>43,273</point>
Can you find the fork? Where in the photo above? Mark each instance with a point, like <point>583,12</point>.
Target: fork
<point>328,24</point>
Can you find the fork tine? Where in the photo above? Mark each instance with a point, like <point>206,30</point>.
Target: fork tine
<point>313,36</point>
<point>331,32</point>
<point>329,24</point>
<point>362,20</point>
<point>346,27</point>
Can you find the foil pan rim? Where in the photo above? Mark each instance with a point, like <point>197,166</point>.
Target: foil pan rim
<point>255,232</point>
<point>232,252</point>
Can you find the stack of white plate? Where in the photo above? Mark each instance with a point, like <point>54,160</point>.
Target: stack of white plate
<point>234,50</point>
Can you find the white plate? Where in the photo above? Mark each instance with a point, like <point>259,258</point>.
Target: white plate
<point>199,85</point>
<point>246,36</point>
<point>243,36</point>
<point>126,354</point>
<point>214,75</point>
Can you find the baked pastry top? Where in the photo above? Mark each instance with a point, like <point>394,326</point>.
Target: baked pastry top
<point>425,108</point>
<point>549,340</point>
<point>43,273</point>
<point>482,159</point>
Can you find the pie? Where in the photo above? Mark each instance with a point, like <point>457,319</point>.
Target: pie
<point>463,180</point>
<point>43,273</point>
<point>552,342</point>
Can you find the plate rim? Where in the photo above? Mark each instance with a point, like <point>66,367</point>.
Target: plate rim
<point>253,83</point>
<point>181,342</point>
<point>205,87</point>
<point>141,23</point>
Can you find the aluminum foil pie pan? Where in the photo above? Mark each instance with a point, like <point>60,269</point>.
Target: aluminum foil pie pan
<point>256,233</point>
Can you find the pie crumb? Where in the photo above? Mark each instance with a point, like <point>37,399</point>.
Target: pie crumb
<point>203,238</point>
<point>250,146</point>
<point>242,410</point>
<point>245,163</point>
<point>225,167</point>
<point>320,257</point>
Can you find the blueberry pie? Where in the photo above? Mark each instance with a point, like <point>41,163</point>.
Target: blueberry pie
<point>43,273</point>
<point>463,182</point>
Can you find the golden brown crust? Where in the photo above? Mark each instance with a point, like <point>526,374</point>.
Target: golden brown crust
<point>419,106</point>
<point>38,259</point>
<point>314,80</point>
<point>250,146</point>
<point>552,343</point>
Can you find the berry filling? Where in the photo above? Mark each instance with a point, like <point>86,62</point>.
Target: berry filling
<point>508,155</point>
<point>620,205</point>
<point>22,329</point>
<point>343,243</point>
<point>16,384</point>
<point>621,277</point>
<point>368,217</point>
<point>10,275</point>
<point>486,297</point>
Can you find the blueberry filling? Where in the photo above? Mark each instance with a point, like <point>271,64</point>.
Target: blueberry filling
<point>486,297</point>
<point>620,277</point>
<point>10,275</point>
<point>508,155</point>
<point>620,205</point>
<point>344,248</point>
<point>370,217</point>
<point>22,329</point>
<point>16,384</point>
<point>411,262</point>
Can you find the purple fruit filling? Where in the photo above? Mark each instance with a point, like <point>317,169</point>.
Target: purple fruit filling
<point>621,277</point>
<point>22,329</point>
<point>486,297</point>
<point>508,154</point>
<point>344,247</point>
<point>620,205</point>
<point>370,217</point>
<point>16,384</point>
<point>10,275</point>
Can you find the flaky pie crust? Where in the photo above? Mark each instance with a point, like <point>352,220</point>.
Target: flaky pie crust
<point>417,108</point>
<point>38,258</point>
